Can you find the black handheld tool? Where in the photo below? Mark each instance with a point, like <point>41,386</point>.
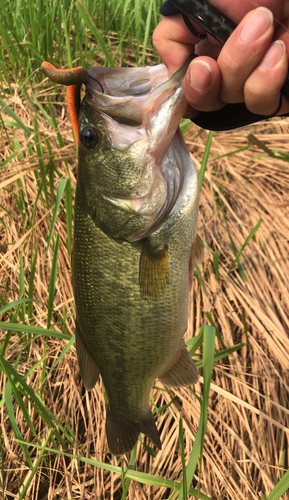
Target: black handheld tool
<point>214,22</point>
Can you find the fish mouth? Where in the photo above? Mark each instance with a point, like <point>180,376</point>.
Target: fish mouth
<point>143,105</point>
<point>140,109</point>
<point>131,96</point>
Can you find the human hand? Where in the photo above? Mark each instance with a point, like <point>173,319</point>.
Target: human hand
<point>251,67</point>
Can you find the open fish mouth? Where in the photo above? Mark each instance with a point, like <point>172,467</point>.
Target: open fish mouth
<point>119,92</point>
<point>141,109</point>
<point>132,96</point>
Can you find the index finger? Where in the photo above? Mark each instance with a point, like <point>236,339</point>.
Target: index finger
<point>174,42</point>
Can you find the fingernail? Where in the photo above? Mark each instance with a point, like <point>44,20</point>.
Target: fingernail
<point>257,24</point>
<point>274,54</point>
<point>200,75</point>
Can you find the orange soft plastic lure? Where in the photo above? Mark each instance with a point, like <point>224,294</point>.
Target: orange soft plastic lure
<point>73,78</point>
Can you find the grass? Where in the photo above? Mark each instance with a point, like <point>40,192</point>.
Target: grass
<point>226,440</point>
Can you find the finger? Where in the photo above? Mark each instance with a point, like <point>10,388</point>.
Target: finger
<point>236,9</point>
<point>174,42</point>
<point>202,84</point>
<point>269,74</point>
<point>243,51</point>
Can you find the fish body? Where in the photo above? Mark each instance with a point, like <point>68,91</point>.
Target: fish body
<point>135,224</point>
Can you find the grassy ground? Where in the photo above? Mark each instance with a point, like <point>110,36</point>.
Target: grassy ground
<point>240,292</point>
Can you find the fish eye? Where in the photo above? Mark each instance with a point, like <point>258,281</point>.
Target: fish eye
<point>89,137</point>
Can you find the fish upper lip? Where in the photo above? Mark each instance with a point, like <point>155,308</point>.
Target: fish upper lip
<point>125,110</point>
<point>137,82</point>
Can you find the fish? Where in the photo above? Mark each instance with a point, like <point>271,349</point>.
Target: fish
<point>135,240</point>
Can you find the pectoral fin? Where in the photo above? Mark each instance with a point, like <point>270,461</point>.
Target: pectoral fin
<point>88,368</point>
<point>154,272</point>
<point>183,372</point>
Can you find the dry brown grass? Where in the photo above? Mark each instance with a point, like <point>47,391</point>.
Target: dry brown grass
<point>248,413</point>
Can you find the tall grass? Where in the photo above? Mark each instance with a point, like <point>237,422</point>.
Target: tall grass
<point>53,437</point>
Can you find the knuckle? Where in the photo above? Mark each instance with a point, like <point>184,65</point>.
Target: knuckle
<point>230,67</point>
<point>258,101</point>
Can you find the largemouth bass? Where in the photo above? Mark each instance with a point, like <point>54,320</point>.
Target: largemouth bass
<point>136,210</point>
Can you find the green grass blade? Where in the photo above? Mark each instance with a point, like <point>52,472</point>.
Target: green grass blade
<point>15,303</point>
<point>35,467</point>
<point>205,159</point>
<point>31,285</point>
<point>200,278</point>
<point>39,151</point>
<point>240,267</point>
<point>41,408</point>
<point>253,140</point>
<point>61,355</point>
<point>183,458</point>
<point>65,16</point>
<point>196,341</point>
<point>244,321</point>
<point>15,117</point>
<point>60,189</point>
<point>147,30</point>
<point>228,351</point>
<point>208,360</point>
<point>140,477</point>
<point>22,286</point>
<point>96,33</point>
<point>123,496</point>
<point>130,466</point>
<point>212,322</point>
<point>231,153</point>
<point>11,415</point>
<point>282,462</point>
<point>151,451</point>
<point>52,282</point>
<point>20,402</point>
<point>34,330</point>
<point>195,453</point>
<point>185,126</point>
<point>43,111</point>
<point>281,487</point>
<point>9,159</point>
<point>160,409</point>
<point>17,384</point>
<point>216,263</point>
<point>252,233</point>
